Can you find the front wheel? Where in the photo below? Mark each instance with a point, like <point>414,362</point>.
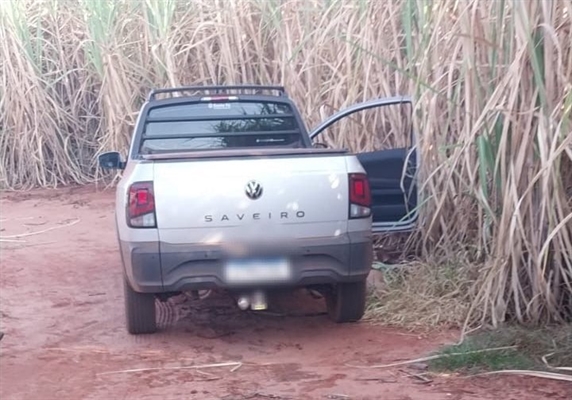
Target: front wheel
<point>346,301</point>
<point>139,310</point>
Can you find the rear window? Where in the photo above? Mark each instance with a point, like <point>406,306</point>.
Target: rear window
<point>220,125</point>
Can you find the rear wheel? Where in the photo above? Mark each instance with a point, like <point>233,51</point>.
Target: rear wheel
<point>346,301</point>
<point>139,310</point>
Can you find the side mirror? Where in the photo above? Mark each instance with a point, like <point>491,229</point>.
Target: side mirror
<point>319,145</point>
<point>111,160</point>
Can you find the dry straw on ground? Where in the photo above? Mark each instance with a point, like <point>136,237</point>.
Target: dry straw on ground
<point>491,80</point>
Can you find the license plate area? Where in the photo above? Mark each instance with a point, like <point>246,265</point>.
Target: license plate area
<point>257,270</point>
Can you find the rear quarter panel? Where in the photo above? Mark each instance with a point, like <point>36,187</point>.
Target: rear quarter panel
<point>135,171</point>
<point>362,225</point>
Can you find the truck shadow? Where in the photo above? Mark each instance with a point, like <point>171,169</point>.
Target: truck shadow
<point>218,316</point>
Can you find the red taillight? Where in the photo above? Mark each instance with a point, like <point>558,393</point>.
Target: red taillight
<point>141,205</point>
<point>360,196</point>
<point>359,190</point>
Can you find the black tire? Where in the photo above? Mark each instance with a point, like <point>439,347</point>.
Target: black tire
<point>139,311</point>
<point>346,301</point>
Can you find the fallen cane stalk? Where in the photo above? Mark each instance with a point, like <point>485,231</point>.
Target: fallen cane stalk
<point>126,371</point>
<point>20,235</point>
<point>420,377</point>
<point>211,377</point>
<point>537,374</point>
<point>545,361</point>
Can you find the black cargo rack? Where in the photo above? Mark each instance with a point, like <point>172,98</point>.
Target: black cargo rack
<point>217,89</point>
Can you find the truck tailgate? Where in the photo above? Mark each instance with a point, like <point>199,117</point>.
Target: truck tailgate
<point>206,200</point>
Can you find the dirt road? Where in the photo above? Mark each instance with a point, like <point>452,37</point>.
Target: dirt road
<point>62,311</point>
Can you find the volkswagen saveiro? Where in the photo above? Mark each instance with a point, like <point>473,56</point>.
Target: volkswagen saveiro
<point>225,189</point>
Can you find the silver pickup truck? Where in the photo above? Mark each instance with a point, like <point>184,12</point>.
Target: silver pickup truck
<point>224,187</point>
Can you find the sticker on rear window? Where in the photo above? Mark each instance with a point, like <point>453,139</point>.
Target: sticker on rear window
<point>219,106</point>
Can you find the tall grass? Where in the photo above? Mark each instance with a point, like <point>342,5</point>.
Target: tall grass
<point>492,82</point>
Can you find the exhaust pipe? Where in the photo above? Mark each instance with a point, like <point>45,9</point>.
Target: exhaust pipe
<point>256,301</point>
<point>243,302</point>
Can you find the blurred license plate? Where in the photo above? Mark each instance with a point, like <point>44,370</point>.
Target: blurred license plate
<point>257,270</point>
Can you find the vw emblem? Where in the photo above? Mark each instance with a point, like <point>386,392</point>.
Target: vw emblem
<point>253,190</point>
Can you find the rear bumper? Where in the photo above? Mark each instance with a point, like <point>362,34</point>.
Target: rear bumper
<point>160,267</point>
